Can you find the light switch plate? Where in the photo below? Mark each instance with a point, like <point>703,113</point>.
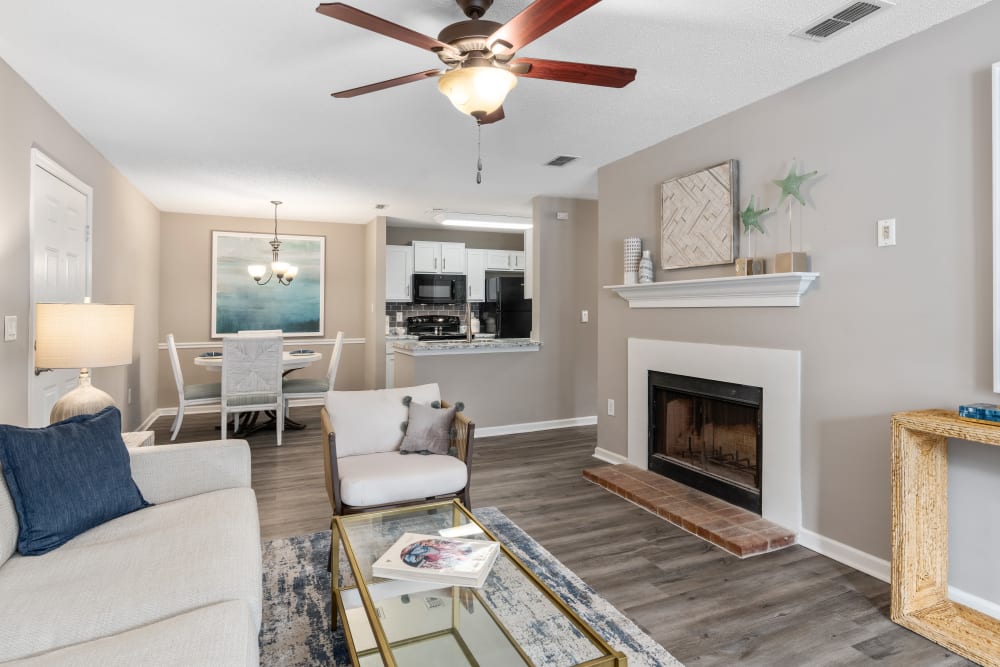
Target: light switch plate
<point>611,407</point>
<point>886,232</point>
<point>584,316</point>
<point>10,327</point>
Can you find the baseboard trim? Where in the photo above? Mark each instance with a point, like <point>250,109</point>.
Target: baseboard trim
<point>511,429</point>
<point>846,554</point>
<point>974,601</point>
<point>608,456</point>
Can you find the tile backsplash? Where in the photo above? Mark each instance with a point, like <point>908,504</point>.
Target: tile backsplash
<point>408,309</point>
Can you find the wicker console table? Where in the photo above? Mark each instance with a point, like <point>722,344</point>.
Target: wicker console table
<point>920,534</point>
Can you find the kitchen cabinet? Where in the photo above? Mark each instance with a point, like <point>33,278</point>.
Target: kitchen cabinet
<point>505,260</point>
<point>475,275</point>
<point>434,257</point>
<point>398,273</point>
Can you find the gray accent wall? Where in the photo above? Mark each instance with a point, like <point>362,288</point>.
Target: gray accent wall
<point>125,253</point>
<point>903,133</point>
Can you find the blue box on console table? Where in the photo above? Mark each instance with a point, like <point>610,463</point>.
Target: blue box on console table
<point>980,412</point>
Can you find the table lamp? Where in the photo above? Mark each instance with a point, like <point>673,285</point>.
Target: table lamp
<point>84,336</point>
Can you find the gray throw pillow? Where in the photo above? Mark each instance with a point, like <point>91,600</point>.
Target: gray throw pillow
<point>428,430</point>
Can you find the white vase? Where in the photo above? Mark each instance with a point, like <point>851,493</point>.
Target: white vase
<point>645,268</point>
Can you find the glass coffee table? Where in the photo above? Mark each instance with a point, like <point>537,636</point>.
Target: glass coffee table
<point>514,619</point>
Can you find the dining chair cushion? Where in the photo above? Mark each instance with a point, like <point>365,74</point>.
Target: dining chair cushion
<point>390,477</point>
<point>368,422</point>
<point>428,429</point>
<point>197,392</point>
<point>305,386</point>
<point>67,478</point>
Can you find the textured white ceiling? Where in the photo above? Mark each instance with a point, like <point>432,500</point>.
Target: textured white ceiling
<point>218,106</point>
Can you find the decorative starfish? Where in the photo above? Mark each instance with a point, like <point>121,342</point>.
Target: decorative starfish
<point>750,217</point>
<point>790,184</point>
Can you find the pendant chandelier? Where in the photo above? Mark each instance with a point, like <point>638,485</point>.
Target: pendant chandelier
<point>283,271</point>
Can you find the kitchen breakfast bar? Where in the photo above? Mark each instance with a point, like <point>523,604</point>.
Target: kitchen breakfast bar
<point>487,375</point>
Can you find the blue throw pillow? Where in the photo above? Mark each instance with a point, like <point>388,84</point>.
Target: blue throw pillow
<point>67,478</point>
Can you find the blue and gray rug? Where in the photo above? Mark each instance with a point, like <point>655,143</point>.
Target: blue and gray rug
<point>297,601</point>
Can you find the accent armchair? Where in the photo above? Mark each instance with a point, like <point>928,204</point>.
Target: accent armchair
<point>365,469</point>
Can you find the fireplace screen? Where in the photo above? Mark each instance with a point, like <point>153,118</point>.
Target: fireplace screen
<point>707,434</point>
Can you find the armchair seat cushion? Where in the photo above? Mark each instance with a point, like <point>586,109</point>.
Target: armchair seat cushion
<point>391,477</point>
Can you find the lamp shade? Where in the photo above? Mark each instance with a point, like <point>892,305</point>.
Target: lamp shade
<point>83,335</point>
<point>477,90</point>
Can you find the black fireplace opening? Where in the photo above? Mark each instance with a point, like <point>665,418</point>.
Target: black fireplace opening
<point>707,434</point>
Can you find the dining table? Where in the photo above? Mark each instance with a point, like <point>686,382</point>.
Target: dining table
<point>250,422</point>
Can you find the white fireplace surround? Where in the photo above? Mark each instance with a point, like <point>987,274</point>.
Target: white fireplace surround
<point>777,372</point>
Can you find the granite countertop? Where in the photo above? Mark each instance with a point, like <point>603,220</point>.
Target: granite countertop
<point>390,338</point>
<point>477,346</point>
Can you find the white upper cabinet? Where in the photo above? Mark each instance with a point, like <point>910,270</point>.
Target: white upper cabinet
<point>434,257</point>
<point>398,273</point>
<point>505,260</point>
<point>475,272</point>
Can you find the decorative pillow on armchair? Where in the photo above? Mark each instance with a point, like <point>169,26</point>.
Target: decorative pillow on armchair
<point>67,478</point>
<point>428,429</point>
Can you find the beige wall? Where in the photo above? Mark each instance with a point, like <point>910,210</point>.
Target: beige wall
<point>902,133</point>
<point>487,240</point>
<point>558,381</point>
<point>125,256</point>
<point>186,292</point>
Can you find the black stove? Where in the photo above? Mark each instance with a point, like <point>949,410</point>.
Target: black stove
<point>434,327</point>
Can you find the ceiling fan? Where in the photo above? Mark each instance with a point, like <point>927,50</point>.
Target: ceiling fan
<point>479,54</point>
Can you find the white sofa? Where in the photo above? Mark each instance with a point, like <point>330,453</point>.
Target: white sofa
<point>178,583</point>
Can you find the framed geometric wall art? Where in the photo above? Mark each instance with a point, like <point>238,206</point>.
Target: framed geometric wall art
<point>698,224</point>
<point>238,303</point>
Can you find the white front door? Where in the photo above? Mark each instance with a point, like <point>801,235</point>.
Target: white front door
<point>60,266</point>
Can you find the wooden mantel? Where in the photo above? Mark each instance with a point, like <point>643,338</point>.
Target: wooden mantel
<point>765,290</point>
<point>920,534</point>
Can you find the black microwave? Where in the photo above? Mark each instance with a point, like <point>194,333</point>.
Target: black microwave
<point>438,288</point>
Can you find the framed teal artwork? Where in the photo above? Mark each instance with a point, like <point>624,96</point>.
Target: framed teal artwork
<point>238,303</point>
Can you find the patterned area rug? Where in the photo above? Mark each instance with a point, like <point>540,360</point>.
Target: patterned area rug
<point>297,601</point>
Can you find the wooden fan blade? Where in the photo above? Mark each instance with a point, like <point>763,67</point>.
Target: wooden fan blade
<point>342,12</point>
<point>382,85</point>
<point>492,117</point>
<point>555,70</point>
<point>534,21</point>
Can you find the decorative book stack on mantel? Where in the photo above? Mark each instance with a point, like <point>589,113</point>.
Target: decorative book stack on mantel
<point>442,560</point>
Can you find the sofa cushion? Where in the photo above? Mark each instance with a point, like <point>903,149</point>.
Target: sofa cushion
<point>391,477</point>
<point>428,429</point>
<point>134,570</point>
<point>67,478</point>
<point>367,422</point>
<point>221,635</point>
<point>8,522</point>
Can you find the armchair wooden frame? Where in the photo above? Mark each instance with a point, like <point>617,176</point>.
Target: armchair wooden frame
<point>465,431</point>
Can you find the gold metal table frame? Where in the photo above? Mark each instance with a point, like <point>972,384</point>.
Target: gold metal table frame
<point>462,597</point>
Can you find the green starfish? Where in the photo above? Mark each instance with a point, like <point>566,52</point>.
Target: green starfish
<point>750,217</point>
<point>790,184</point>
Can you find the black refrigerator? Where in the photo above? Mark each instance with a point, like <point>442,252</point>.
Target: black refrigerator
<point>506,312</point>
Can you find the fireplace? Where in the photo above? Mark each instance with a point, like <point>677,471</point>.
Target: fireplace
<point>707,434</point>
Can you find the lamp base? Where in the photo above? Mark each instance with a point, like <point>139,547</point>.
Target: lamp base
<point>85,399</point>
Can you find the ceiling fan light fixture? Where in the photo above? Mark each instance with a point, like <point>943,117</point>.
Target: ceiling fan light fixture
<point>477,90</point>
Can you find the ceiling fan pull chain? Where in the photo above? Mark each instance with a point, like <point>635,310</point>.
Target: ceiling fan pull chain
<point>479,152</point>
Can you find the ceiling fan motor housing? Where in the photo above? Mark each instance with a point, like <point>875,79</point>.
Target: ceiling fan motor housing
<point>468,37</point>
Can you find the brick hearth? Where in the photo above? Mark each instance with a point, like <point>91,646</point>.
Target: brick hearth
<point>738,531</point>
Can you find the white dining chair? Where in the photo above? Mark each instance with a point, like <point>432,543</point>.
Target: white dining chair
<point>315,387</point>
<point>251,378</point>
<point>189,395</point>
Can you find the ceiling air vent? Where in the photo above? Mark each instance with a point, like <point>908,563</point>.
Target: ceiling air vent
<point>843,17</point>
<point>561,160</point>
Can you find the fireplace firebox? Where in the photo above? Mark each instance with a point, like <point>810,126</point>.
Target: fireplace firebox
<point>707,434</point>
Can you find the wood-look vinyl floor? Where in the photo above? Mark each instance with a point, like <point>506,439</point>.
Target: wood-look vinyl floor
<point>788,608</point>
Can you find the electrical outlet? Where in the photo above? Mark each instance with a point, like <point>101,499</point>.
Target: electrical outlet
<point>611,407</point>
<point>10,327</point>
<point>584,316</point>
<point>886,232</point>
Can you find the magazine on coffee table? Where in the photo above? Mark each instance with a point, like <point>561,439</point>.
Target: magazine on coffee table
<point>444,560</point>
